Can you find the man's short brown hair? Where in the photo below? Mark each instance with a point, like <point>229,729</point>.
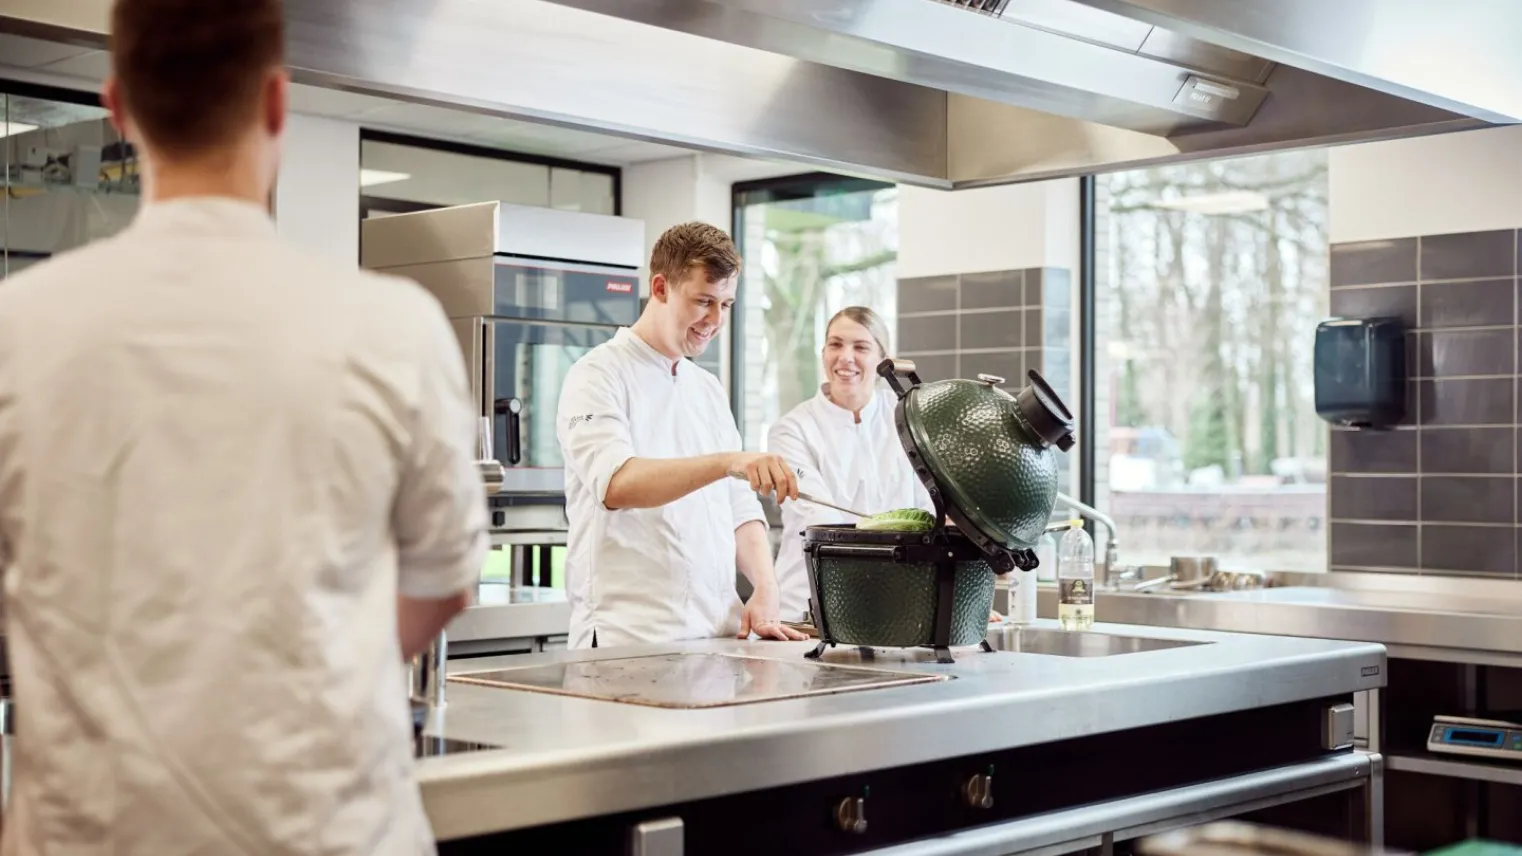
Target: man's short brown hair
<point>189,72</point>
<point>690,245</point>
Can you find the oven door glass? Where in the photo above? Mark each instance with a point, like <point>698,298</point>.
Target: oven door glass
<point>528,364</point>
<point>559,291</point>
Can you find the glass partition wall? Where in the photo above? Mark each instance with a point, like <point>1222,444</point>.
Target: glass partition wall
<point>68,177</point>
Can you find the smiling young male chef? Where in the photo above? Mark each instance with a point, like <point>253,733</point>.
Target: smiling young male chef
<point>237,488</point>
<point>657,528</point>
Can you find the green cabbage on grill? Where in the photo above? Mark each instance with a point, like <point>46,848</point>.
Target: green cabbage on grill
<point>899,520</point>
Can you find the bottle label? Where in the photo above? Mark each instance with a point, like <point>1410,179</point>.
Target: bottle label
<point>1075,591</point>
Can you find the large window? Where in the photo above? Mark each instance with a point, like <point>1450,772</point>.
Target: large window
<point>67,175</point>
<point>812,244</point>
<point>1209,281</point>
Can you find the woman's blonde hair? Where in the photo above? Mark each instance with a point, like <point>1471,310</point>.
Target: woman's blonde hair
<point>868,319</point>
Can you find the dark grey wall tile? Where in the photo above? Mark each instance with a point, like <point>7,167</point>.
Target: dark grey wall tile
<point>1009,365</point>
<point>1376,498</point>
<point>1467,450</point>
<point>1395,300</point>
<point>1373,451</point>
<point>1033,329</point>
<point>993,290</point>
<point>1484,401</point>
<point>1469,255</point>
<point>1476,303</point>
<point>1049,287</point>
<point>936,366</point>
<point>927,333</point>
<point>999,328</point>
<point>927,294</point>
<point>1469,499</point>
<point>1467,352</point>
<point>1369,262</point>
<point>1488,550</point>
<point>1412,403</point>
<point>1033,360</point>
<point>1371,545</point>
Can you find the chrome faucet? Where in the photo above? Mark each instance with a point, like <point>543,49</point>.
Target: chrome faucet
<point>430,667</point>
<point>1109,572</point>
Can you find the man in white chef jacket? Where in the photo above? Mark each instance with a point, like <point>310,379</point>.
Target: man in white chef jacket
<point>237,488</point>
<point>657,526</point>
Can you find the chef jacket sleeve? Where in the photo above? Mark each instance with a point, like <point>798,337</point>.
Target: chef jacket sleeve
<point>786,438</point>
<point>440,511</point>
<point>593,427</point>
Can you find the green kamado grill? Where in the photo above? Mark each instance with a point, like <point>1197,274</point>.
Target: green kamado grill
<point>986,458</point>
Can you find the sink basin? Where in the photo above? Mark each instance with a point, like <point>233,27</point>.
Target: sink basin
<point>1076,643</point>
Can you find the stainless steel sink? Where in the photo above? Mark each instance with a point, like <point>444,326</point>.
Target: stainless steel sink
<point>1075,643</point>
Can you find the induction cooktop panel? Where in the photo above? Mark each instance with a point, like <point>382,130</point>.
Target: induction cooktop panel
<point>693,680</point>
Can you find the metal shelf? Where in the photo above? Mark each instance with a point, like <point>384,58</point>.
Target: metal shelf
<point>1454,767</point>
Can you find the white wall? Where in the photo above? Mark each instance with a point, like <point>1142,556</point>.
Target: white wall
<point>1465,182</point>
<point>993,228</point>
<point>317,196</point>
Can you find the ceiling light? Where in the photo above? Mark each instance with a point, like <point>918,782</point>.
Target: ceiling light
<point>1227,202</point>
<point>8,129</point>
<point>372,177</point>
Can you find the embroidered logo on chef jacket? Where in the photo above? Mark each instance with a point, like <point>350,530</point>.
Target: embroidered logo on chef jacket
<point>578,420</point>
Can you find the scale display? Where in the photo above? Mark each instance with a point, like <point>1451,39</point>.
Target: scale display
<point>1489,738</point>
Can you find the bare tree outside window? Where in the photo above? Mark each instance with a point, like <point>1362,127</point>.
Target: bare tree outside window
<point>1211,278</point>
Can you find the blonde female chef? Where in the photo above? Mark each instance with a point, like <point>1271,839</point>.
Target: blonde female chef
<point>843,446</point>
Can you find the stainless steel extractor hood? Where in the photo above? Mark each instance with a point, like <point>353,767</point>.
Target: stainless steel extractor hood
<point>943,93</point>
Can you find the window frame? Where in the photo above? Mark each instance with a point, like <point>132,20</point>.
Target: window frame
<point>1084,359</point>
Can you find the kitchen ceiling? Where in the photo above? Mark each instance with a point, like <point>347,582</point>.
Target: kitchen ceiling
<point>942,93</point>
<point>82,69</point>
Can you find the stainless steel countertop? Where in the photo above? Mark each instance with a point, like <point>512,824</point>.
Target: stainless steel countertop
<point>566,758</point>
<point>1476,621</point>
<point>503,611</point>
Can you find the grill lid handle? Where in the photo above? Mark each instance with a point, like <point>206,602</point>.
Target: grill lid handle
<point>892,370</point>
<point>1044,411</point>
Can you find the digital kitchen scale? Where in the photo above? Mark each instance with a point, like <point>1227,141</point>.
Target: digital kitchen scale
<point>1489,738</point>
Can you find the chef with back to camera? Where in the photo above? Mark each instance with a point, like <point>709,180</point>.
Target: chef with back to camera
<point>658,527</point>
<point>237,490</point>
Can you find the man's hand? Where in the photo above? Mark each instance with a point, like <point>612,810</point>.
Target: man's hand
<point>761,615</point>
<point>768,474</point>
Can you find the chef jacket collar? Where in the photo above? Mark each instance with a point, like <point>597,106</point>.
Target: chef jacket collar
<point>206,216</point>
<point>835,412</point>
<point>647,352</point>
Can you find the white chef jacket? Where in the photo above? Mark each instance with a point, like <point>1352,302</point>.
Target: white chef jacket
<point>861,466</point>
<point>647,574</point>
<point>220,460</point>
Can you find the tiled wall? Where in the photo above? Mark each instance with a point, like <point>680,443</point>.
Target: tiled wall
<point>1439,494</point>
<point>998,322</point>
